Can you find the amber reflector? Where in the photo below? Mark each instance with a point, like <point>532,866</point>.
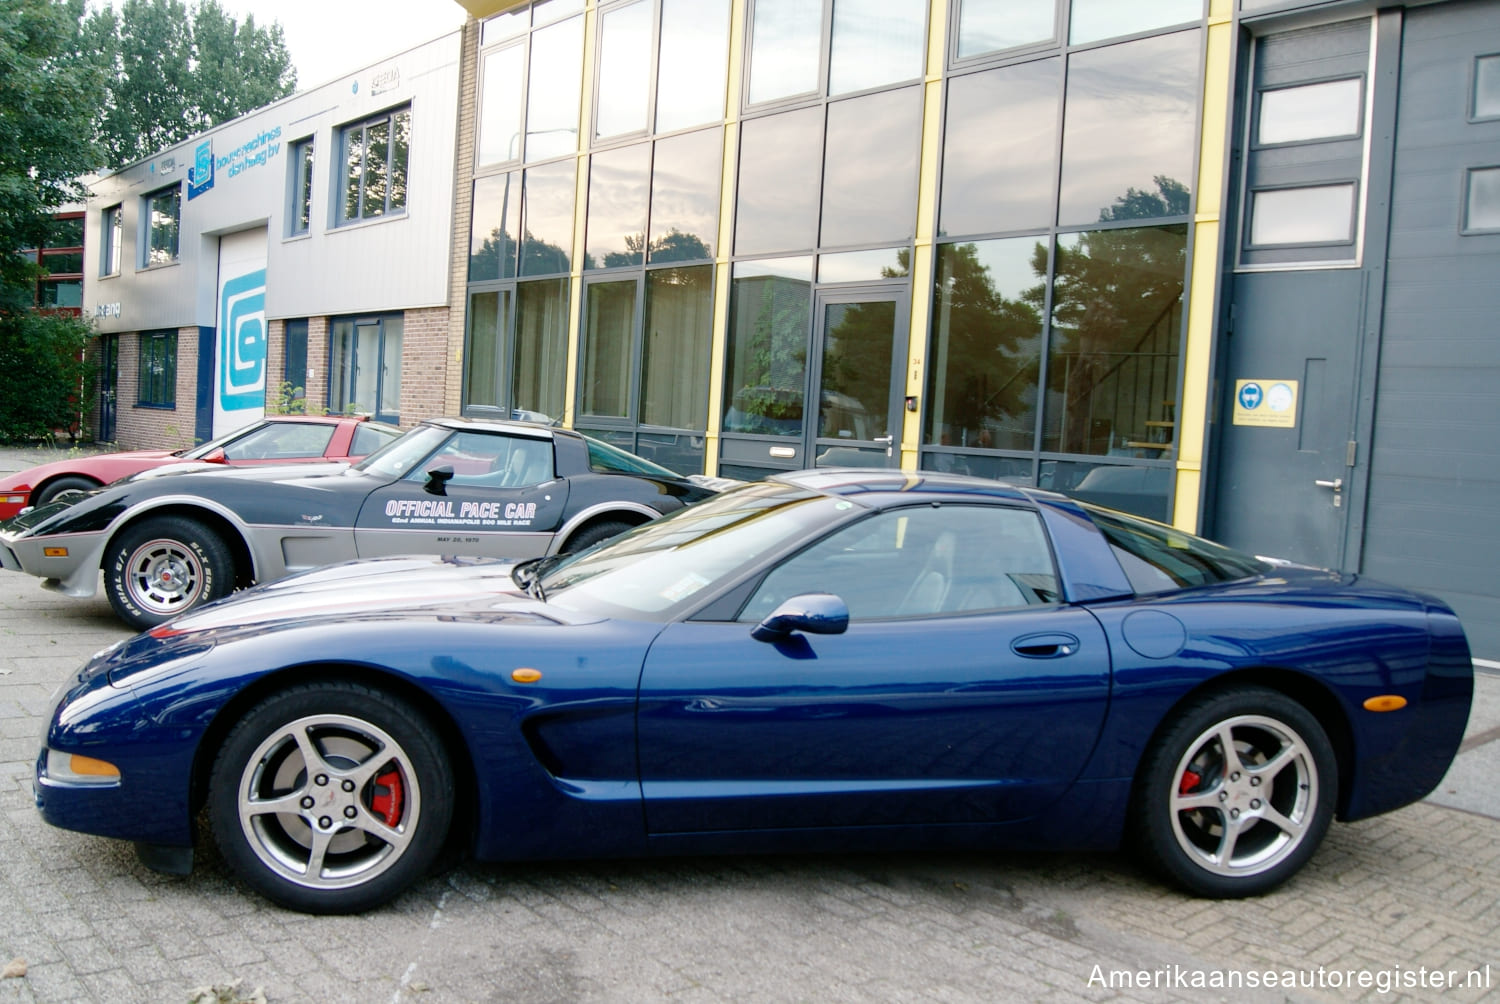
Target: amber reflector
<point>1385,702</point>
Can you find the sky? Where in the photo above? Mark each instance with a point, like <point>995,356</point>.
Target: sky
<point>329,38</point>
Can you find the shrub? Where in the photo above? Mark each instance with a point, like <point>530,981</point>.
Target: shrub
<point>49,384</point>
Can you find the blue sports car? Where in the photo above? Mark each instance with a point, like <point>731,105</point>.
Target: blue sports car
<point>831,660</point>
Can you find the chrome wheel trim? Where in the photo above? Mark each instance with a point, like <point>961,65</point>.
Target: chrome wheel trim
<point>1255,799</point>
<point>304,802</point>
<point>164,576</point>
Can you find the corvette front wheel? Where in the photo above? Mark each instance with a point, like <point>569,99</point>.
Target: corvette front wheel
<point>163,567</point>
<point>331,798</point>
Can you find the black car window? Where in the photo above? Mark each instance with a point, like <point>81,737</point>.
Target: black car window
<point>1158,559</point>
<point>920,562</point>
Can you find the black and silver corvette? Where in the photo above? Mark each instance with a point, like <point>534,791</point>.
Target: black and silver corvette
<point>176,537</point>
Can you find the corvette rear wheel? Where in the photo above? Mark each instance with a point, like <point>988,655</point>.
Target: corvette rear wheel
<point>163,567</point>
<point>1237,794</point>
<point>72,483</point>
<point>331,798</point>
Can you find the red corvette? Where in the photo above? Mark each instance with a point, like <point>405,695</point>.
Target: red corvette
<point>281,439</point>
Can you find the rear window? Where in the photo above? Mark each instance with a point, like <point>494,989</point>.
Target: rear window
<point>607,459</point>
<point>1157,559</point>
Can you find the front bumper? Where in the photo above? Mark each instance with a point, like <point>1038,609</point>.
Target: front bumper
<point>72,573</point>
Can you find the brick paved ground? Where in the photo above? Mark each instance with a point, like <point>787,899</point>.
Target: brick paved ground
<point>1420,887</point>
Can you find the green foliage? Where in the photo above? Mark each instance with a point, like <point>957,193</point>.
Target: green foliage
<point>48,383</point>
<point>172,71</point>
<point>290,400</point>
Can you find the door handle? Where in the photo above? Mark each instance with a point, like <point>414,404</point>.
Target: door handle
<point>887,440</point>
<point>1337,484</point>
<point>1045,646</point>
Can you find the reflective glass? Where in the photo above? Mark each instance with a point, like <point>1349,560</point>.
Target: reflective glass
<point>769,314</point>
<point>786,40</point>
<point>1487,87</point>
<point>617,207</point>
<point>553,92</point>
<point>992,25</point>
<point>1000,149</point>
<point>540,363</point>
<point>482,361</point>
<point>66,263</point>
<point>545,10</point>
<point>985,359</point>
<point>548,219</point>
<point>163,212</point>
<point>870,168</point>
<point>65,232</point>
<point>492,233</point>
<point>390,365</point>
<point>876,42</point>
<point>685,196</point>
<point>377,165</point>
<point>608,321</point>
<point>1482,211</point>
<point>400,157</point>
<point>1096,19</point>
<point>1131,128</point>
<point>865,266</point>
<point>855,398</point>
<point>1319,215</point>
<point>1112,353</point>
<point>1145,491</point>
<point>503,26</point>
<point>675,349</point>
<point>62,293</point>
<point>691,64</point>
<point>354,160</point>
<point>778,184</point>
<point>624,69</point>
<point>1312,111</point>
<point>681,452</point>
<point>500,105</point>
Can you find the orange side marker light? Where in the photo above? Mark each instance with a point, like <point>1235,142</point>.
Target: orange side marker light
<point>525,675</point>
<point>1385,702</point>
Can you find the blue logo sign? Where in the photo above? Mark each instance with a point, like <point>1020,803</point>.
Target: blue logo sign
<point>242,342</point>
<point>201,174</point>
<point>1251,396</point>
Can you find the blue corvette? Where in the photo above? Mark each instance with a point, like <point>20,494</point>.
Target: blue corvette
<point>831,660</point>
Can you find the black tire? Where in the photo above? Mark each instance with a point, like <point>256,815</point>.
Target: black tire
<point>162,567</point>
<point>379,797</point>
<point>594,533</point>
<point>1226,827</point>
<point>71,483</point>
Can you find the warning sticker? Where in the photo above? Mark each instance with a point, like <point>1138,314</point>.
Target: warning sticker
<point>1270,404</point>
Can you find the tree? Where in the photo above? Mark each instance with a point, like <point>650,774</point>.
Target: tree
<point>171,71</point>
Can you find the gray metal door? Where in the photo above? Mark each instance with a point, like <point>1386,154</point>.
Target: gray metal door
<point>859,354</point>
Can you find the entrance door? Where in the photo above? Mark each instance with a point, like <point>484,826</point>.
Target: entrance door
<point>109,372</point>
<point>859,346</point>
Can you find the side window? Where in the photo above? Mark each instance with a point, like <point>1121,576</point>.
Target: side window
<point>491,461</point>
<point>1158,559</point>
<point>921,562</point>
<point>371,436</point>
<point>285,440</point>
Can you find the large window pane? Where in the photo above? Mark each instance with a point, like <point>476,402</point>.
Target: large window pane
<point>855,386</point>
<point>769,314</point>
<point>163,211</point>
<point>377,162</point>
<point>1312,111</point>
<point>1000,149</point>
<point>548,219</point>
<point>864,266</point>
<point>1487,87</point>
<point>1131,129</point>
<point>390,366</point>
<point>1482,202</point>
<point>785,44</point>
<point>691,63</point>
<point>685,196</point>
<point>492,232</point>
<point>503,26</point>
<point>1112,355</point>
<point>1323,214</point>
<point>487,313</point>
<point>624,69</point>
<point>778,193</point>
<point>992,25</point>
<point>1096,19</point>
<point>876,42</point>
<point>541,355</point>
<point>675,349</point>
<point>609,320</point>
<point>617,207</point>
<point>500,105</point>
<point>870,168</point>
<point>400,157</point>
<point>983,366</point>
<point>553,92</point>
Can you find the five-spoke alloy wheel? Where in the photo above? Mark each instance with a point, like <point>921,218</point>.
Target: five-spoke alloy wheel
<point>1237,793</point>
<point>331,798</point>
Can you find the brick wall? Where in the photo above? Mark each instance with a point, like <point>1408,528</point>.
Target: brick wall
<point>463,202</point>
<point>142,428</point>
<point>425,338</point>
<point>275,361</point>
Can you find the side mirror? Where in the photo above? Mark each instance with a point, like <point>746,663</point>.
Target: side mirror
<point>811,613</point>
<point>438,478</point>
<point>215,456</point>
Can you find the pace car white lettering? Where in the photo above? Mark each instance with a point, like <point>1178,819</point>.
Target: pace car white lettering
<point>428,508</point>
<point>520,510</point>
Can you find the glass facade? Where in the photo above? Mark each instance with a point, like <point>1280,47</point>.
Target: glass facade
<point>1056,227</point>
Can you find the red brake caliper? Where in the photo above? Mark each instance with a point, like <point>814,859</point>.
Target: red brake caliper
<point>388,797</point>
<point>1190,780</point>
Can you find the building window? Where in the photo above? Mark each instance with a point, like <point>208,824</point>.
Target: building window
<point>300,214</point>
<point>157,386</point>
<point>294,365</point>
<point>163,221</point>
<point>61,258</point>
<point>986,26</point>
<point>364,366</point>
<point>1482,201</point>
<point>111,230</point>
<point>1486,103</point>
<point>375,155</point>
<point>872,44</point>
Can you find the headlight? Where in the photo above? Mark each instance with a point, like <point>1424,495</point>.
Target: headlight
<point>74,768</point>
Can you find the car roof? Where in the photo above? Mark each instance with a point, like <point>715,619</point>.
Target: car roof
<point>316,419</point>
<point>868,481</point>
<point>494,425</point>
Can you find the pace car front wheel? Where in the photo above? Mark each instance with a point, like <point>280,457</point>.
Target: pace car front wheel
<point>163,567</point>
<point>1236,794</point>
<point>331,798</point>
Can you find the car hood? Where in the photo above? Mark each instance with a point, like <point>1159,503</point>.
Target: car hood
<point>101,465</point>
<point>271,472</point>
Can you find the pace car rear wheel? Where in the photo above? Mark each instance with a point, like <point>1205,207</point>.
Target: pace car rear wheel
<point>163,567</point>
<point>1236,795</point>
<point>331,798</point>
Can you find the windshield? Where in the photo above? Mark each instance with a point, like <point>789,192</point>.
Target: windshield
<point>1157,559</point>
<point>607,459</point>
<point>401,455</point>
<point>659,568</point>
